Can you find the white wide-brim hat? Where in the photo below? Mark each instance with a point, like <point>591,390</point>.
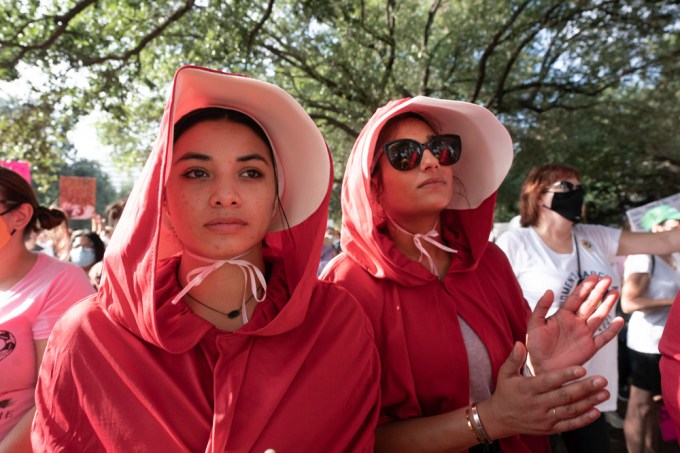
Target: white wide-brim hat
<point>487,150</point>
<point>303,163</point>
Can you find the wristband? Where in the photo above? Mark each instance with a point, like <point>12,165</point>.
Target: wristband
<point>478,424</point>
<point>472,429</point>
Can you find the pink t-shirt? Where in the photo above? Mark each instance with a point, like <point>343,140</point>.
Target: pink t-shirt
<point>28,311</point>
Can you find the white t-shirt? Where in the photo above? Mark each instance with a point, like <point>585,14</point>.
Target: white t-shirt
<point>646,326</point>
<point>28,311</point>
<point>539,268</point>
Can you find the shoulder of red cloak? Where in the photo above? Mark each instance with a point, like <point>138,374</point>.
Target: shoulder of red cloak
<point>669,346</point>
<point>337,297</point>
<point>368,291</point>
<point>66,342</point>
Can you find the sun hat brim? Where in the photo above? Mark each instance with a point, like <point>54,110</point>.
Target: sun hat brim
<point>487,149</point>
<point>302,159</point>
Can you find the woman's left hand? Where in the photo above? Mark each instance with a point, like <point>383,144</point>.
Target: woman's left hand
<point>568,336</point>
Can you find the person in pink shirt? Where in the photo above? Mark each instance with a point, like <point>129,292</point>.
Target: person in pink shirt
<point>35,290</point>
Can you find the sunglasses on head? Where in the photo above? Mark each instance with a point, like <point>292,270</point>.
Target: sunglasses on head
<point>12,207</point>
<point>405,154</point>
<point>563,186</point>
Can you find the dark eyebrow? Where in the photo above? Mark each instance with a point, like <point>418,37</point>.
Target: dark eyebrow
<point>253,156</point>
<point>194,156</point>
<point>206,158</point>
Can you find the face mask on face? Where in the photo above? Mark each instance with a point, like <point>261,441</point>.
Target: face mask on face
<point>568,204</point>
<point>82,256</point>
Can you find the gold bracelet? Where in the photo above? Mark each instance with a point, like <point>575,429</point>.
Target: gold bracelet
<point>478,424</point>
<point>472,428</point>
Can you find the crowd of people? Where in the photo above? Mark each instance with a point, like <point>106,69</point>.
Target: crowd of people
<point>227,313</point>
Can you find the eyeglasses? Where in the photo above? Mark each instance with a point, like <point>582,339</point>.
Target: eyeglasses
<point>405,154</point>
<point>563,186</point>
<point>11,208</point>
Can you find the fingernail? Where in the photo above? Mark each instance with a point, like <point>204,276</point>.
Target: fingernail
<point>599,382</point>
<point>602,396</point>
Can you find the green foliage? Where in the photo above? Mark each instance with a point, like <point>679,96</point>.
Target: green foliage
<point>627,148</point>
<point>582,82</point>
<point>34,131</point>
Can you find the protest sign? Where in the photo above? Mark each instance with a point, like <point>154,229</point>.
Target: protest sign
<point>77,196</point>
<point>21,167</point>
<point>635,214</point>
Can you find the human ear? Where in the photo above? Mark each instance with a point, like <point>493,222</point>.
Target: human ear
<point>22,216</point>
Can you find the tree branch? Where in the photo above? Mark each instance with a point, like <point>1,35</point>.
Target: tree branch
<point>495,41</point>
<point>391,45</point>
<point>423,46</point>
<point>62,24</point>
<point>253,33</point>
<point>333,120</point>
<point>188,5</point>
<point>497,97</point>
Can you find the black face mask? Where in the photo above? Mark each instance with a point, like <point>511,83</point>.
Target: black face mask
<point>568,204</point>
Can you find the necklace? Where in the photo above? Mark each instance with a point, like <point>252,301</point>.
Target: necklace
<point>231,314</point>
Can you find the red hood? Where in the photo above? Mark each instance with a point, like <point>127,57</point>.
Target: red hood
<point>416,317</point>
<point>465,229</point>
<point>133,287</point>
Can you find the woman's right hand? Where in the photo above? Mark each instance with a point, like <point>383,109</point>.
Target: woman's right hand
<point>568,337</point>
<point>539,405</point>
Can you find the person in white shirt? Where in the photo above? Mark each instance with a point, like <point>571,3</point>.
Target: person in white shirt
<point>553,250</point>
<point>651,282</point>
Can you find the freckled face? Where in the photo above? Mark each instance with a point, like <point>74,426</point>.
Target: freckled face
<point>426,189</point>
<point>221,189</point>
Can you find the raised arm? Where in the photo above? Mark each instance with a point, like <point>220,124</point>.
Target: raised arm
<point>661,243</point>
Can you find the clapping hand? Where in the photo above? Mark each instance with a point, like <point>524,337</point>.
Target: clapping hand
<point>568,336</point>
<point>554,401</point>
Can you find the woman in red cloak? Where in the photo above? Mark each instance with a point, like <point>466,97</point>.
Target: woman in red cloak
<point>449,318</point>
<point>210,331</point>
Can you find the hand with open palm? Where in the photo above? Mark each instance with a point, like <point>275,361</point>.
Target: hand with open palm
<point>568,336</point>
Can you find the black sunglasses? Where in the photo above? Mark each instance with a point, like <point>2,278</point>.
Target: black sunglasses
<point>405,154</point>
